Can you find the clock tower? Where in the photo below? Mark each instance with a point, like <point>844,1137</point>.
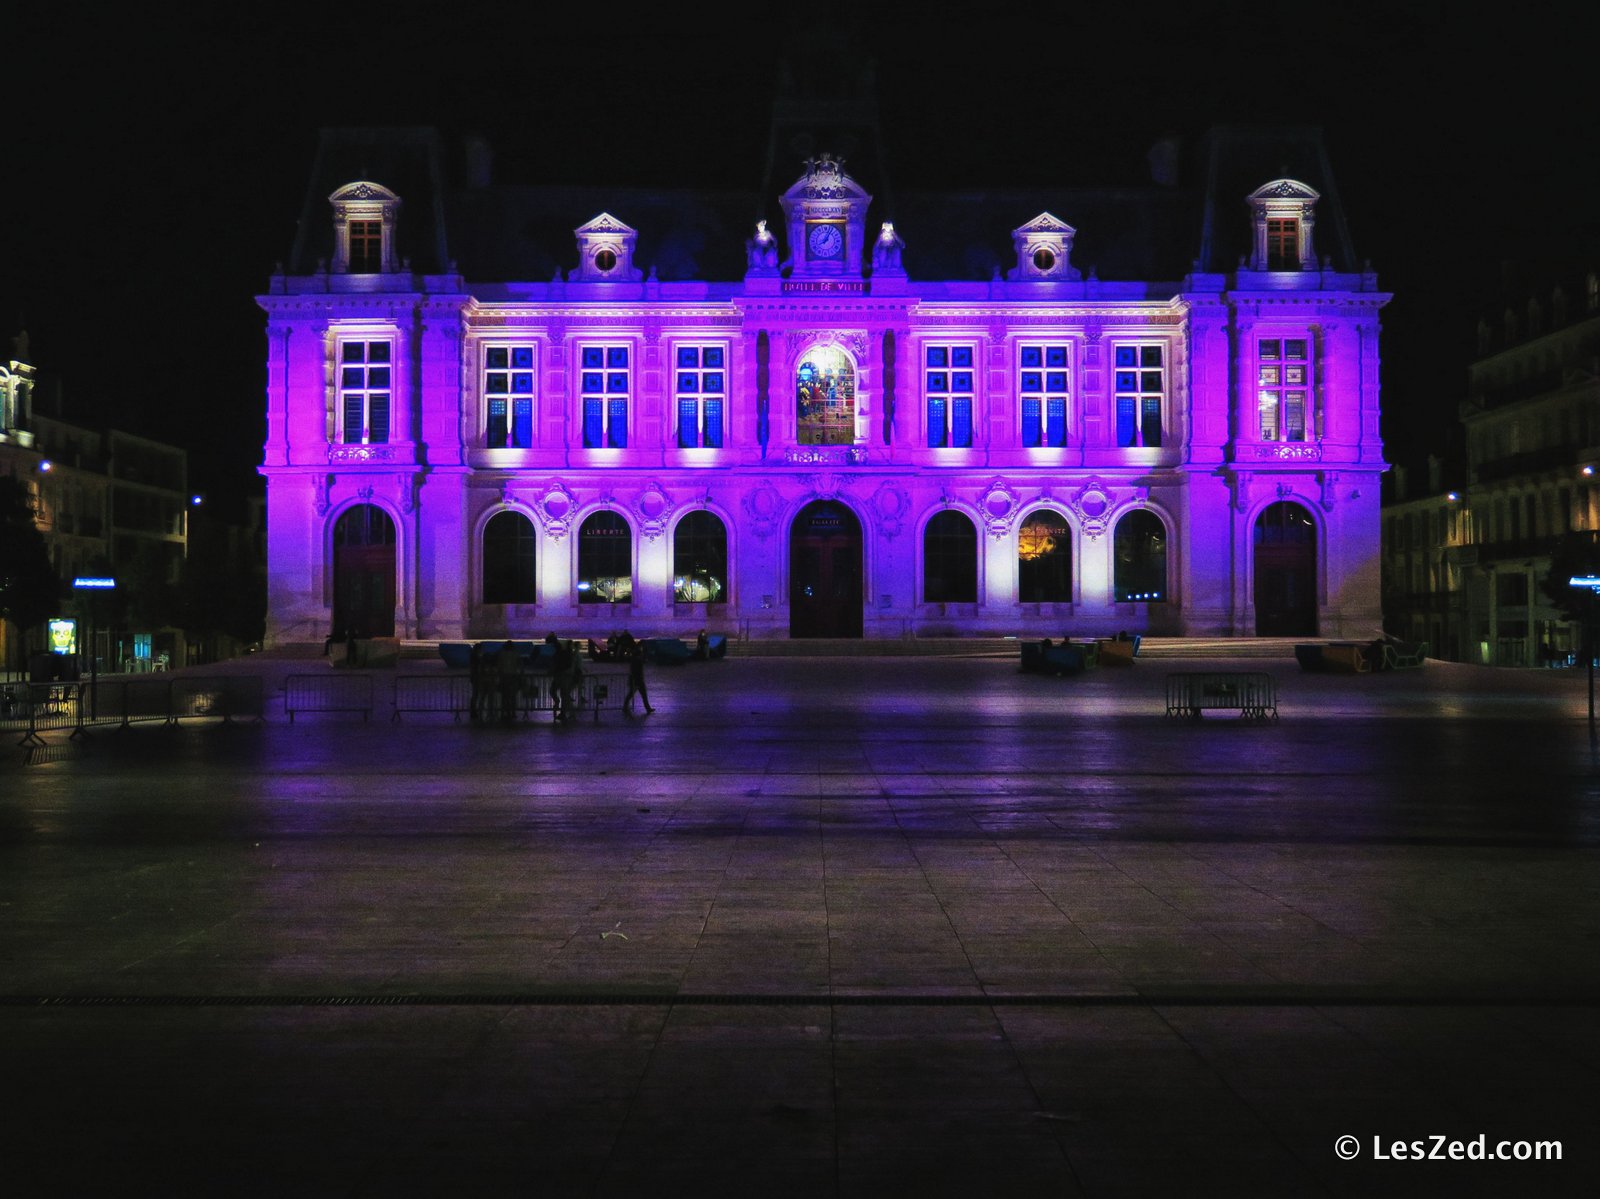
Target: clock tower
<point>826,214</point>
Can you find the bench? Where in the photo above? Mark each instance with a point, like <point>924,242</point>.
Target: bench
<point>1068,657</point>
<point>1404,655</point>
<point>1115,651</point>
<point>667,651</point>
<point>1251,694</point>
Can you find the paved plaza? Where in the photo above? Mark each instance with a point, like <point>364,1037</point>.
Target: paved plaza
<point>820,926</point>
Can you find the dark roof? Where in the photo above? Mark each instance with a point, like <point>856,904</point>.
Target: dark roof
<point>1238,159</point>
<point>408,161</point>
<point>514,233</point>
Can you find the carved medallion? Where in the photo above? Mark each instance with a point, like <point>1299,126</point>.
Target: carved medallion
<point>999,507</point>
<point>653,509</point>
<point>890,505</point>
<point>555,509</point>
<point>1093,503</point>
<point>764,506</point>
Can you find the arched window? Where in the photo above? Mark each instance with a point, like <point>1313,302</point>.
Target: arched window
<point>605,560</point>
<point>1044,559</point>
<point>508,548</point>
<point>825,397</point>
<point>1140,549</point>
<point>700,560</point>
<point>950,560</point>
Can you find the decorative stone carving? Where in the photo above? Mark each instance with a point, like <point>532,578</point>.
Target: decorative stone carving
<point>406,485</point>
<point>764,506</point>
<point>889,505</point>
<point>364,494</point>
<point>999,507</point>
<point>1329,480</point>
<point>1093,503</point>
<point>825,485</point>
<point>654,510</point>
<point>554,509</point>
<point>319,493</point>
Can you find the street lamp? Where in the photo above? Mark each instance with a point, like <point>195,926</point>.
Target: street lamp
<point>93,586</point>
<point>1592,582</point>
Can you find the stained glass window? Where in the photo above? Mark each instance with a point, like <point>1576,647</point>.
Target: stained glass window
<point>825,397</point>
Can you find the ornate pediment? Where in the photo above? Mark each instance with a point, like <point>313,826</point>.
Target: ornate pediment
<point>605,251</point>
<point>1044,249</point>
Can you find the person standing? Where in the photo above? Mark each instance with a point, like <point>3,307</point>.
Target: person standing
<point>475,674</point>
<point>508,665</point>
<point>636,679</point>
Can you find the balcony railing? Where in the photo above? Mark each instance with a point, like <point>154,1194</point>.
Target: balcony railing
<point>826,455</point>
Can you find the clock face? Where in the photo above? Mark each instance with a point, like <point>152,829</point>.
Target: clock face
<point>824,241</point>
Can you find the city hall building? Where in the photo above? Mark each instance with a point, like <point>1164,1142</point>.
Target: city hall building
<point>505,410</point>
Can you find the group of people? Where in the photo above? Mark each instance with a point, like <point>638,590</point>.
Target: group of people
<point>499,678</point>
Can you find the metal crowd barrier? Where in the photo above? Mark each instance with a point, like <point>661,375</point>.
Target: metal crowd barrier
<point>327,693</point>
<point>450,693</point>
<point>34,707</point>
<point>597,691</point>
<point>1252,695</point>
<point>228,696</point>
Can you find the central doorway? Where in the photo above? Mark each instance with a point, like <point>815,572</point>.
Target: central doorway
<point>825,572</point>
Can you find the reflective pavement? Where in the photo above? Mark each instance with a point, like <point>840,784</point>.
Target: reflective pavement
<point>819,926</point>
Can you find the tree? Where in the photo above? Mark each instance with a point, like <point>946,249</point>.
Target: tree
<point>29,588</point>
<point>1576,555</point>
<point>223,591</point>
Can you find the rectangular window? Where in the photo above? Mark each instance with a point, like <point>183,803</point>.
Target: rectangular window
<point>1283,244</point>
<point>508,376</point>
<point>948,387</point>
<point>366,247</point>
<point>1141,390</point>
<point>1042,383</point>
<point>606,379</point>
<point>1283,388</point>
<point>365,383</point>
<point>701,382</point>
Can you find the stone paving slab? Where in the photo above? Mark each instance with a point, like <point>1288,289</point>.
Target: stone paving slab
<point>910,926</point>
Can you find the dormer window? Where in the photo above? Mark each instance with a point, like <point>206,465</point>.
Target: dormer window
<point>1284,217</point>
<point>364,217</point>
<point>605,251</point>
<point>1044,249</point>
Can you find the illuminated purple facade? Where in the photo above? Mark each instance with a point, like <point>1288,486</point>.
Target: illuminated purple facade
<point>828,445</point>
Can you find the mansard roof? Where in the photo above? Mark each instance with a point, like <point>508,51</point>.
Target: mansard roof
<point>405,161</point>
<point>523,233</point>
<point>1237,161</point>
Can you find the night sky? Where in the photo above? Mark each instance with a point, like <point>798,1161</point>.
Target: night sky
<point>156,164</point>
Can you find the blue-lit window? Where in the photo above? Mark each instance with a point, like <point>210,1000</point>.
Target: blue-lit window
<point>365,385</point>
<point>947,385</point>
<point>1044,377</point>
<point>1140,388</point>
<point>700,382</point>
<point>508,391</point>
<point>605,379</point>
